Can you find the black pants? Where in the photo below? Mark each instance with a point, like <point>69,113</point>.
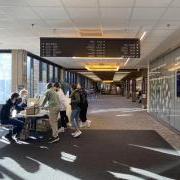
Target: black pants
<point>83,113</point>
<point>63,120</point>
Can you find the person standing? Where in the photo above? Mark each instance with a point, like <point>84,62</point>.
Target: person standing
<point>53,101</point>
<point>62,98</point>
<point>83,108</point>
<point>75,102</point>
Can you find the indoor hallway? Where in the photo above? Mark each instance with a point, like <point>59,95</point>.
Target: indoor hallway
<point>124,142</point>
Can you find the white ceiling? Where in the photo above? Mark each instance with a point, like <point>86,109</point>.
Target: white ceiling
<point>64,18</point>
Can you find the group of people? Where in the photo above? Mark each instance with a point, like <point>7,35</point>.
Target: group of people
<point>56,102</point>
<point>17,102</point>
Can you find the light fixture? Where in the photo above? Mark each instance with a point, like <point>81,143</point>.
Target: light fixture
<point>143,35</point>
<point>174,68</point>
<point>118,76</point>
<point>126,61</point>
<point>90,75</point>
<point>107,81</point>
<point>108,58</point>
<point>102,67</point>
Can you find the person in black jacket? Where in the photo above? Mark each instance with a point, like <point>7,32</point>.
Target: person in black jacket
<point>83,107</point>
<point>75,102</point>
<point>6,118</point>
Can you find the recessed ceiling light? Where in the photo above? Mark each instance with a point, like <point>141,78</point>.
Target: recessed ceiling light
<point>102,67</point>
<point>108,81</point>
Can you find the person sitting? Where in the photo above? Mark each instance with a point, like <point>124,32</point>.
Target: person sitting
<point>21,102</point>
<point>6,116</point>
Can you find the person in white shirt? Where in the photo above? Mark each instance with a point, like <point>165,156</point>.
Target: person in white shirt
<point>63,105</point>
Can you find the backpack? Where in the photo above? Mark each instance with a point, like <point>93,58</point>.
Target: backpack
<point>83,98</point>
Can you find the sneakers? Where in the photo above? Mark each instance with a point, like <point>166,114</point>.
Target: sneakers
<point>88,122</point>
<point>82,124</point>
<point>61,130</point>
<point>85,124</point>
<point>54,139</point>
<point>77,134</point>
<point>73,133</point>
<point>8,138</point>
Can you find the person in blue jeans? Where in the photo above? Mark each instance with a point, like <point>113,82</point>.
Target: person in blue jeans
<point>75,107</point>
<point>6,118</point>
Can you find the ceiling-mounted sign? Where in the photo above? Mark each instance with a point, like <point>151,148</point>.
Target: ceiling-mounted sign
<point>89,47</point>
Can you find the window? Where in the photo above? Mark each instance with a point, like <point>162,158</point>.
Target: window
<point>56,73</point>
<point>36,77</point>
<point>5,76</point>
<point>43,82</point>
<point>30,76</point>
<point>39,72</point>
<point>51,78</point>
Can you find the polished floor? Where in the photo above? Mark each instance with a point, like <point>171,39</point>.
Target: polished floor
<point>124,142</point>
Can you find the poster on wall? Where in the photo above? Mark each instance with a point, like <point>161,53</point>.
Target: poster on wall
<point>178,83</point>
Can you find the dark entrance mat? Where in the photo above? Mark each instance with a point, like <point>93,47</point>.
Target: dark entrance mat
<point>97,154</point>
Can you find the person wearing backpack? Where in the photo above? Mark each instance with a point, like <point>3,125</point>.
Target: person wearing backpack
<point>83,108</point>
<point>75,107</point>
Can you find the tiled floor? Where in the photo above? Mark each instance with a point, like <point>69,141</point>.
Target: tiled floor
<point>119,113</point>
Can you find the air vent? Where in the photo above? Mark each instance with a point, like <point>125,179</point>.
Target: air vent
<point>90,32</point>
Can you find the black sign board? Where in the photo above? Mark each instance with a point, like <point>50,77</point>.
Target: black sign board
<point>89,47</point>
<point>178,83</point>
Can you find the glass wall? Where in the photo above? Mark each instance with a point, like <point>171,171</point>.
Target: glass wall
<point>36,77</point>
<point>39,73</point>
<point>5,76</point>
<point>51,78</point>
<point>30,76</point>
<point>56,74</point>
<point>163,100</point>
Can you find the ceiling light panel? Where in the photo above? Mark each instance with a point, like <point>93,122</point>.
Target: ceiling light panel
<point>82,13</point>
<point>86,23</point>
<point>102,67</point>
<point>168,25</point>
<point>147,13</point>
<point>121,13</point>
<point>20,12</point>
<point>44,3</point>
<point>116,3</point>
<point>175,3</point>
<point>51,12</point>
<point>152,3</point>
<point>80,3</point>
<point>114,24</point>
<point>59,23</point>
<point>90,75</point>
<point>119,75</point>
<point>172,14</point>
<point>163,32</point>
<point>13,3</point>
